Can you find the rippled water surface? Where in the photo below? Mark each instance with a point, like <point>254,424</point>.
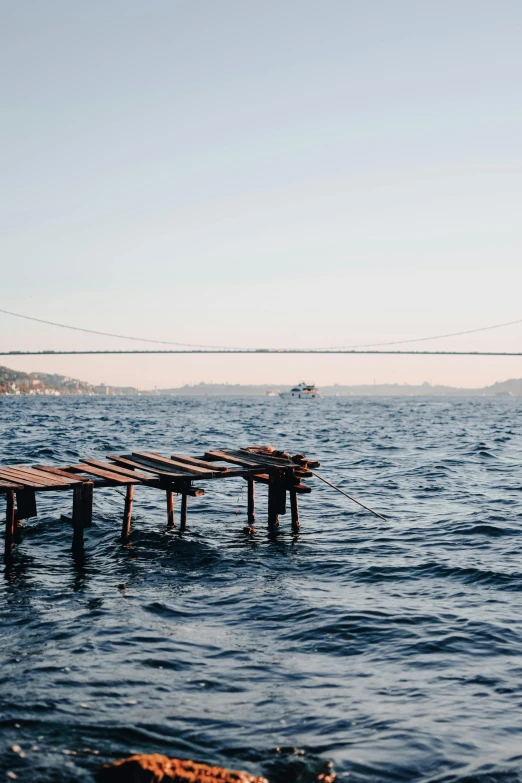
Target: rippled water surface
<point>393,649</point>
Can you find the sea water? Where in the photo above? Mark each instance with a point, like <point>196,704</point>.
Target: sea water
<point>393,649</point>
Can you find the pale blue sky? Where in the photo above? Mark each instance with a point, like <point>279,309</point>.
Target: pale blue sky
<point>262,174</point>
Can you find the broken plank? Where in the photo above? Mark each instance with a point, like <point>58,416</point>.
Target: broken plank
<point>150,457</point>
<point>162,467</point>
<point>226,457</point>
<point>127,462</point>
<point>199,463</point>
<point>105,474</point>
<point>267,458</point>
<point>97,463</point>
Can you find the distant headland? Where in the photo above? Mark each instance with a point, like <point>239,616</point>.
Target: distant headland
<point>13,382</point>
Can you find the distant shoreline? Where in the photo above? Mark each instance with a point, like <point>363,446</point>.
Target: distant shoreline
<point>15,383</point>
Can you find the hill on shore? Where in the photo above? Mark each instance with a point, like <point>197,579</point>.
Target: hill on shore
<point>38,383</point>
<point>503,388</point>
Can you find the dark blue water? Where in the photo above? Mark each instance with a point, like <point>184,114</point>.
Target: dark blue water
<point>393,649</point>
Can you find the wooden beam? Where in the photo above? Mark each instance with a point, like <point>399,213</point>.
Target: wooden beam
<point>5,485</point>
<point>9,522</point>
<point>294,510</point>
<point>127,513</point>
<point>179,489</point>
<point>301,489</point>
<point>273,504</point>
<point>171,523</point>
<point>25,504</point>
<point>183,517</point>
<point>82,511</point>
<point>251,502</point>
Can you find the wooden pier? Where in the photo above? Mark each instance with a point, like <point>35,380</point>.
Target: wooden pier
<point>174,475</point>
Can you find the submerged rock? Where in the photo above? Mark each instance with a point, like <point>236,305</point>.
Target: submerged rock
<point>155,768</point>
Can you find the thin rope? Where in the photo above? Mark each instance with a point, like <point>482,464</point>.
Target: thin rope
<point>348,496</point>
<point>239,499</point>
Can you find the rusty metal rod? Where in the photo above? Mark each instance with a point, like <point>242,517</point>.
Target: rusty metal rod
<point>348,496</point>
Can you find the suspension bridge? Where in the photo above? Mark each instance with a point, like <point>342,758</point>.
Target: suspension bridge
<point>178,348</point>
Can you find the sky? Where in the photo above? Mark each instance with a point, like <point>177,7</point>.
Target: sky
<point>262,174</point>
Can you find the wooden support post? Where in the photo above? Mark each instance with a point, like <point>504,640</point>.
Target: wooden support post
<point>251,502</point>
<point>77,520</point>
<point>25,504</point>
<point>183,520</point>
<point>82,511</point>
<point>273,503</point>
<point>281,498</point>
<point>127,513</point>
<point>170,510</point>
<point>87,494</point>
<point>295,511</point>
<point>9,522</point>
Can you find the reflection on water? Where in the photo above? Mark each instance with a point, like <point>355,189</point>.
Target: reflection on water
<point>392,648</point>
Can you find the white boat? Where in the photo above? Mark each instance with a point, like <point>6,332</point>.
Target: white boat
<point>303,391</point>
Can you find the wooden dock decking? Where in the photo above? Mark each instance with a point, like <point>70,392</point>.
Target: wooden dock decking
<point>173,475</point>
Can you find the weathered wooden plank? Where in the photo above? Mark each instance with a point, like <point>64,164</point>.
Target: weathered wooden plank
<point>151,459</point>
<point>265,458</point>
<point>23,479</point>
<point>199,463</point>
<point>48,477</point>
<point>299,470</point>
<point>226,457</point>
<point>13,474</point>
<point>33,478</point>
<point>161,472</point>
<point>96,463</point>
<point>299,467</point>
<point>115,477</point>
<point>7,486</point>
<point>288,468</point>
<point>62,472</point>
<point>126,462</point>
